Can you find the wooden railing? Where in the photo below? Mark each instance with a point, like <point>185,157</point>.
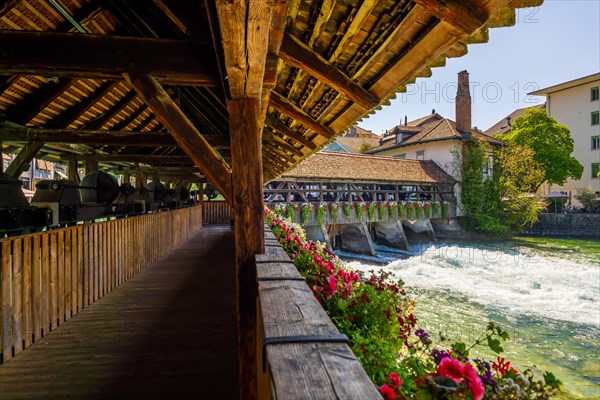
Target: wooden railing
<point>297,368</point>
<point>46,278</point>
<point>217,212</point>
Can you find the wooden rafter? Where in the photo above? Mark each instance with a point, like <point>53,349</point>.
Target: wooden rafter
<point>461,14</point>
<point>70,115</point>
<point>283,105</point>
<point>98,122</point>
<point>185,133</point>
<point>116,138</point>
<point>27,109</point>
<point>267,135</point>
<point>299,55</point>
<point>105,57</point>
<point>278,126</point>
<point>132,117</point>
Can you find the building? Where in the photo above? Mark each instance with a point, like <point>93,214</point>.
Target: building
<point>436,138</point>
<point>504,125</point>
<point>576,104</point>
<point>354,140</point>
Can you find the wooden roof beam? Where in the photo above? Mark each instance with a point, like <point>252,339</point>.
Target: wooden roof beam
<point>137,158</point>
<point>275,124</point>
<point>115,138</point>
<point>20,163</point>
<point>105,57</point>
<point>124,123</point>
<point>185,133</point>
<point>461,14</point>
<point>300,56</point>
<point>283,105</point>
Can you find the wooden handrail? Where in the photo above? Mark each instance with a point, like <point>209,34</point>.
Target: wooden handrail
<point>301,370</point>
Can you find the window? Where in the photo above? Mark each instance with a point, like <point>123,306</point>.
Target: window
<point>399,138</point>
<point>595,117</point>
<point>595,142</point>
<point>421,155</point>
<point>595,169</point>
<point>595,93</point>
<point>403,155</point>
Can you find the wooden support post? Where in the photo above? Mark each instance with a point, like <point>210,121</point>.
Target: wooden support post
<point>212,165</point>
<point>25,156</point>
<point>1,158</point>
<point>246,162</point>
<point>73,175</point>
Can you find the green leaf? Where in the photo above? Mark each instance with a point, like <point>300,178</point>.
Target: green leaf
<point>461,348</point>
<point>424,394</point>
<point>342,305</point>
<point>494,344</point>
<point>551,380</point>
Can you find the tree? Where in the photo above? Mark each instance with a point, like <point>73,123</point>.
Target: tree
<point>551,142</point>
<point>501,204</point>
<point>365,147</point>
<point>587,197</point>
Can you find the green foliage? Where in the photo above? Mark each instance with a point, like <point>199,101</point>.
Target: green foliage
<point>551,142</point>
<point>321,213</point>
<point>402,210</point>
<point>365,147</point>
<point>587,197</point>
<point>360,210</point>
<point>290,211</point>
<point>445,209</point>
<point>305,212</point>
<point>371,211</point>
<point>334,212</point>
<point>347,210</point>
<point>381,210</point>
<point>500,204</point>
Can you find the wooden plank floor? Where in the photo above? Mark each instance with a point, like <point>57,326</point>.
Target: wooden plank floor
<point>169,332</point>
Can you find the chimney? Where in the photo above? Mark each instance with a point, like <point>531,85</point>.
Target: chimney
<point>405,120</point>
<point>508,121</point>
<point>463,103</point>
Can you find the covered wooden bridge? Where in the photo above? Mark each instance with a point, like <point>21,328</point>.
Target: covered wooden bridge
<point>234,92</point>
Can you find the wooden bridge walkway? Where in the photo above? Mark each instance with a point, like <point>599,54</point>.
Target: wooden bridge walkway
<point>168,332</point>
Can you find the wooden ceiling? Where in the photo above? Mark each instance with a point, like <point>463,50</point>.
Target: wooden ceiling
<point>149,82</point>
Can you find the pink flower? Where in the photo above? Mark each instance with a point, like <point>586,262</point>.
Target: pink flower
<point>451,368</point>
<point>332,283</point>
<point>396,381</point>
<point>387,392</point>
<point>473,382</point>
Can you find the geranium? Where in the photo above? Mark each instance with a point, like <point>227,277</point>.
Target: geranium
<point>459,373</point>
<point>387,392</point>
<point>347,210</point>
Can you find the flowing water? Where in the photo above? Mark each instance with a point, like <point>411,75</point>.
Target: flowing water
<point>544,292</point>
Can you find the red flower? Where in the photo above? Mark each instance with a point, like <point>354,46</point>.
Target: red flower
<point>387,392</point>
<point>451,368</point>
<point>502,366</point>
<point>396,381</point>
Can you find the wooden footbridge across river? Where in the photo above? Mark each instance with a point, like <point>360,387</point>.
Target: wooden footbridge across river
<point>231,92</point>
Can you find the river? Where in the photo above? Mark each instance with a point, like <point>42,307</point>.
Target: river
<point>544,292</point>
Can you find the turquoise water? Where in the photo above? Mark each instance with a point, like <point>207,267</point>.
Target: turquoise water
<point>545,293</point>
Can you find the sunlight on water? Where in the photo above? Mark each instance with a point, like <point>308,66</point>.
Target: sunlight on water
<point>549,303</point>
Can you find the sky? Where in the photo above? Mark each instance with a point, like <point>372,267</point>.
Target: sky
<point>555,42</point>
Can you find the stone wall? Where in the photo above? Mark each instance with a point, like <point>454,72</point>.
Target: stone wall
<point>582,225</point>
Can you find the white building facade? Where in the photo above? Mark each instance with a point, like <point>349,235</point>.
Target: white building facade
<point>576,104</point>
